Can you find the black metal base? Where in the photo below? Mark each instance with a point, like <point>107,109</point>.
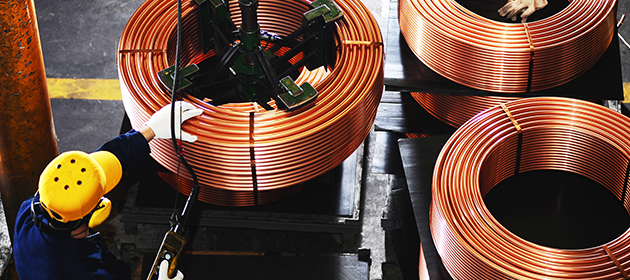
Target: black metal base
<point>272,267</point>
<point>328,204</point>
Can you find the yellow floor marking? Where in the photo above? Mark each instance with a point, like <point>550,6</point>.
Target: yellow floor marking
<point>109,89</point>
<point>101,89</point>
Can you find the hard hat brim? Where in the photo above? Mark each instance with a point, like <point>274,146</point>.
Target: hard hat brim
<point>111,167</point>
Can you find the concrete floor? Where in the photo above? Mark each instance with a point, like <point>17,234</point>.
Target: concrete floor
<point>79,41</point>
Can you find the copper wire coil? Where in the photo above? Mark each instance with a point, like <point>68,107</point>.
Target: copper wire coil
<point>507,57</point>
<point>288,147</point>
<point>455,110</point>
<point>540,133</point>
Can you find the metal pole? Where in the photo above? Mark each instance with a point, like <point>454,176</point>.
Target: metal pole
<point>27,136</point>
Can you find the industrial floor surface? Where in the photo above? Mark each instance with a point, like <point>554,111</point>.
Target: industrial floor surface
<point>79,43</point>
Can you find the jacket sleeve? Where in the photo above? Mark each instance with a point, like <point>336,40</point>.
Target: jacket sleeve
<point>129,148</point>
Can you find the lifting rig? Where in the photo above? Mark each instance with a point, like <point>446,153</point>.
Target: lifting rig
<point>243,70</point>
<point>253,65</point>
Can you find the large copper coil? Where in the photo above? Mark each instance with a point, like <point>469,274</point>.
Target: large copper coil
<point>246,155</point>
<point>507,57</point>
<point>540,133</point>
<point>455,110</point>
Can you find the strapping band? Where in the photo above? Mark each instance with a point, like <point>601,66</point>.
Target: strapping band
<point>252,157</point>
<point>514,122</point>
<point>519,144</point>
<point>612,257</point>
<point>625,184</point>
<point>531,58</point>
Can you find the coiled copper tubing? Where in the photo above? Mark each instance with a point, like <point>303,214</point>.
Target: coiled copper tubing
<point>245,155</point>
<point>507,57</point>
<point>455,110</point>
<point>539,133</point>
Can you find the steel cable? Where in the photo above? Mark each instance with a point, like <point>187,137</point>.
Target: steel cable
<point>539,133</point>
<point>507,57</point>
<point>245,155</point>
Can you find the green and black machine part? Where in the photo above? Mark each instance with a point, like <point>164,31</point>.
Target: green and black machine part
<point>244,67</point>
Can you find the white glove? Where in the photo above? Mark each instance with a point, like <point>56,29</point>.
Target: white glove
<point>163,274</point>
<point>160,122</point>
<point>524,7</point>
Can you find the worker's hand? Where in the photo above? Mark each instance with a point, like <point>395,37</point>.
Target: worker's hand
<point>524,7</point>
<point>160,122</point>
<point>163,273</point>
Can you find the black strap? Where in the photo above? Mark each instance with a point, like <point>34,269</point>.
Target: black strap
<point>252,157</point>
<point>64,230</point>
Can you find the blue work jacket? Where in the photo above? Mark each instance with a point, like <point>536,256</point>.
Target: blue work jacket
<point>40,256</point>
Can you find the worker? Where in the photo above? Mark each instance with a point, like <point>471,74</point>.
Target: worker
<point>523,7</point>
<point>53,231</point>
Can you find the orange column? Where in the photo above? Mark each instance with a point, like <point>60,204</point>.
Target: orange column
<point>27,137</point>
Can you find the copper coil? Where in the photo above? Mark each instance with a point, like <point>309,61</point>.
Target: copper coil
<point>418,135</point>
<point>455,110</point>
<point>541,133</point>
<point>507,57</point>
<point>246,155</point>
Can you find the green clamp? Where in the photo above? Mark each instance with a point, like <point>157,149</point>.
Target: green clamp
<point>166,76</point>
<point>327,9</point>
<point>296,96</point>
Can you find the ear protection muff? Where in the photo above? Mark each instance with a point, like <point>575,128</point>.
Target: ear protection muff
<point>59,229</point>
<point>100,212</point>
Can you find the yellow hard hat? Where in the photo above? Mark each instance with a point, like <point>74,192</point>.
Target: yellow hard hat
<point>73,183</point>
